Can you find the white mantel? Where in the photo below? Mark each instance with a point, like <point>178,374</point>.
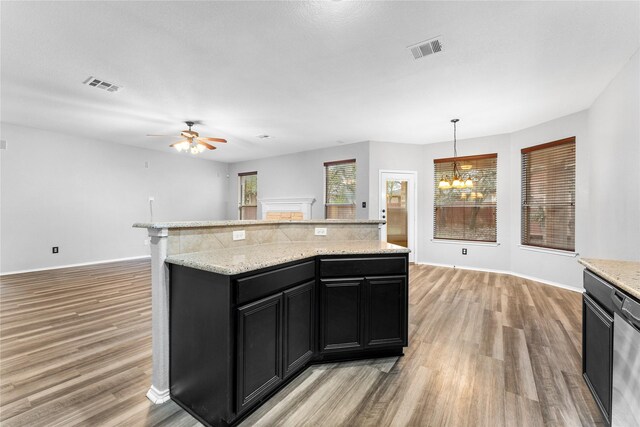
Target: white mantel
<point>287,204</point>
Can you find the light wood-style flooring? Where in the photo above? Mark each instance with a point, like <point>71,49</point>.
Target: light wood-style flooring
<point>485,350</point>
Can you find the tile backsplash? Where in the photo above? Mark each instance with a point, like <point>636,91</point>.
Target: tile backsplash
<point>187,240</point>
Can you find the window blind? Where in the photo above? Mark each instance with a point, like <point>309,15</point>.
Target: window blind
<point>340,189</point>
<point>248,195</point>
<point>467,213</point>
<point>549,195</point>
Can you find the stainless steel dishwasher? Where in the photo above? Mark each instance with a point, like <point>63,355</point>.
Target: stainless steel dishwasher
<point>625,411</point>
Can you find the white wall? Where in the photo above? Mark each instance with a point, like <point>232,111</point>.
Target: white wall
<point>302,175</point>
<point>83,196</point>
<point>495,257</point>
<point>614,165</point>
<point>550,266</point>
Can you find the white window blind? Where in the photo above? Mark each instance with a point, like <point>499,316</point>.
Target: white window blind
<point>466,213</point>
<point>340,189</point>
<point>549,195</point>
<point>248,195</point>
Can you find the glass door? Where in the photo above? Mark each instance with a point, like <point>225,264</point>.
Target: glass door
<point>397,207</point>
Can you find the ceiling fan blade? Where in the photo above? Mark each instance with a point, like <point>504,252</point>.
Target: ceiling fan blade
<point>209,146</point>
<point>202,138</point>
<point>179,142</point>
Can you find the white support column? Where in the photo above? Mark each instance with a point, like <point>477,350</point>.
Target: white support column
<point>159,391</point>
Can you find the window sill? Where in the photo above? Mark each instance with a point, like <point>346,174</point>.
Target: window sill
<point>465,242</point>
<point>549,251</point>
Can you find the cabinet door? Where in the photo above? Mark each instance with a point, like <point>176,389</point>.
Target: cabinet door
<point>341,315</point>
<point>259,363</point>
<point>298,327</point>
<point>386,311</point>
<point>597,347</point>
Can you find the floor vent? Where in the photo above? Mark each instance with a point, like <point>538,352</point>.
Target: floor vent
<point>427,47</point>
<point>101,84</point>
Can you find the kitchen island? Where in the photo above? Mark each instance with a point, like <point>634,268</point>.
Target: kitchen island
<point>183,242</point>
<point>245,321</point>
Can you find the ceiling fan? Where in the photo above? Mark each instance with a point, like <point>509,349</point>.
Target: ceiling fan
<point>193,142</point>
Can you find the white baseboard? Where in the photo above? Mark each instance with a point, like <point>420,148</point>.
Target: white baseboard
<point>158,396</point>
<point>510,273</point>
<point>106,261</point>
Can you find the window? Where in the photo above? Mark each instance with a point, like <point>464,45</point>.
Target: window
<point>340,189</point>
<point>466,213</point>
<point>248,195</point>
<point>549,195</point>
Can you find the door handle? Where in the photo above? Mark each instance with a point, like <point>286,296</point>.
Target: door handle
<point>631,311</point>
<point>617,299</point>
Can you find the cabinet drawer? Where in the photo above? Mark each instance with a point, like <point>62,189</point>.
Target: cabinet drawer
<point>599,290</point>
<point>345,267</point>
<point>261,285</point>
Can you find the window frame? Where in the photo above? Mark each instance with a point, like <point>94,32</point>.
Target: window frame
<point>241,196</point>
<point>435,186</point>
<point>533,148</point>
<point>324,186</point>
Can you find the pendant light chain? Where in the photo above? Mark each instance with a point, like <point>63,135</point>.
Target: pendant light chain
<point>455,148</point>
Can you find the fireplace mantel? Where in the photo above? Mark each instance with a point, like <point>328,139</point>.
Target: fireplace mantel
<point>286,205</point>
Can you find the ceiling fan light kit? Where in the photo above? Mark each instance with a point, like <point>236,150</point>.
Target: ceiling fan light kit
<point>193,142</point>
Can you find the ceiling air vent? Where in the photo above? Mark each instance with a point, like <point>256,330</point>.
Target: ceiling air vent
<point>426,47</point>
<point>101,84</point>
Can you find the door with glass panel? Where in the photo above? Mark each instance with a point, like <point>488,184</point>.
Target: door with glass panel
<point>397,208</point>
<point>248,198</point>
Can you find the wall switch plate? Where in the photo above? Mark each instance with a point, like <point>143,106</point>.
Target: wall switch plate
<point>321,231</point>
<point>54,250</point>
<point>464,251</point>
<point>238,235</point>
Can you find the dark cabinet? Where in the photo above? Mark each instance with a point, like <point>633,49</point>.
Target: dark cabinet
<point>387,312</point>
<point>341,314</point>
<point>275,339</point>
<point>235,340</point>
<point>298,345</point>
<point>259,344</point>
<point>597,347</point>
<point>363,313</point>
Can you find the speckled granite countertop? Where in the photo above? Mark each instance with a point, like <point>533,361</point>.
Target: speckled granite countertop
<point>201,224</point>
<point>238,260</point>
<point>624,274</point>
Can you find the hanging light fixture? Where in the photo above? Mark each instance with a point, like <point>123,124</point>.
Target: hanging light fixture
<point>458,181</point>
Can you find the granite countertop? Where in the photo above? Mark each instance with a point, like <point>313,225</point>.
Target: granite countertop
<point>230,261</point>
<point>624,274</point>
<point>231,223</point>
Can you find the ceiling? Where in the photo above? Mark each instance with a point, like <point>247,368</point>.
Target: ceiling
<point>308,73</point>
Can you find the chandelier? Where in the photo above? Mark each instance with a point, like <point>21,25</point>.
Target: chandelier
<point>459,181</point>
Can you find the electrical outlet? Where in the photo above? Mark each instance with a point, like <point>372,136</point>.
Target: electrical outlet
<point>321,231</point>
<point>238,235</point>
<point>151,198</point>
<point>364,204</point>
<point>464,251</point>
<point>54,250</point>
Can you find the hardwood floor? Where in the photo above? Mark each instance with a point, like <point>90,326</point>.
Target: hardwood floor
<point>485,350</point>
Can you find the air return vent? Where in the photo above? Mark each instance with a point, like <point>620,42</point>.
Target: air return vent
<point>101,84</point>
<point>427,47</point>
